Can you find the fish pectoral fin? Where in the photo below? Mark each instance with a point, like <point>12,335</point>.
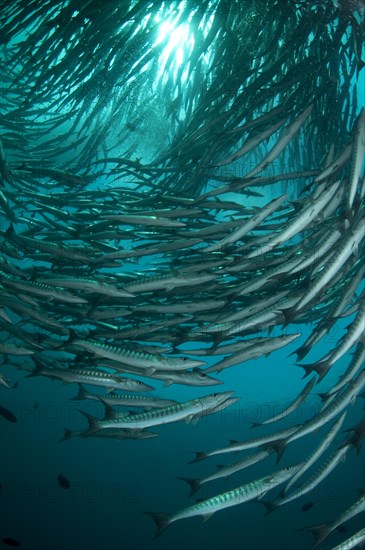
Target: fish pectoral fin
<point>262,495</point>
<point>207,516</point>
<point>191,418</point>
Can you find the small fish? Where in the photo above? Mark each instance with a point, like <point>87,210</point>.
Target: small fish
<point>307,506</point>
<point>10,541</point>
<point>8,415</point>
<point>63,482</point>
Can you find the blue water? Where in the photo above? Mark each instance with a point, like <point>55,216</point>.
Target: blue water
<point>112,482</point>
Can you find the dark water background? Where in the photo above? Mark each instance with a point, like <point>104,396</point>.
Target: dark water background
<point>113,481</point>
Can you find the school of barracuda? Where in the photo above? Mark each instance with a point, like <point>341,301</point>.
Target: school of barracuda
<point>116,272</point>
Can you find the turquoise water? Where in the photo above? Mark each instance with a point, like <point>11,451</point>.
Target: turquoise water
<point>113,482</point>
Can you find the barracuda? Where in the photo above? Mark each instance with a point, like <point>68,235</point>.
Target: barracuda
<point>248,225</point>
<point>357,157</point>
<point>138,359</point>
<point>169,282</point>
<point>113,399</point>
<point>348,245</point>
<point>356,540</point>
<point>300,222</point>
<point>87,285</point>
<point>325,415</point>
<point>90,376</point>
<point>318,451</point>
<point>46,291</point>
<point>292,407</point>
<point>327,467</point>
<point>236,446</point>
<point>254,351</point>
<point>322,531</point>
<point>244,493</point>
<point>226,470</point>
<point>282,142</point>
<point>188,411</point>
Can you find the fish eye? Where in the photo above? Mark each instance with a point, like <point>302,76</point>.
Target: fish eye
<point>202,374</point>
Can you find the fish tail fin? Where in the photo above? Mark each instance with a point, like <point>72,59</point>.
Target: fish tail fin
<point>67,434</point>
<point>194,484</point>
<point>81,394</point>
<point>301,352</point>
<point>324,396</point>
<point>162,521</point>
<point>37,371</point>
<point>109,413</point>
<point>320,367</point>
<point>200,455</point>
<point>92,421</point>
<point>10,232</point>
<point>70,339</point>
<point>289,314</point>
<point>279,447</point>
<point>320,532</point>
<point>270,506</point>
<point>308,369</point>
<point>360,65</point>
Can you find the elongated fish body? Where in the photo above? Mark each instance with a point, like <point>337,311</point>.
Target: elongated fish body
<point>356,331</point>
<point>228,469</point>
<point>93,377</point>
<point>250,144</point>
<point>46,291</point>
<point>244,493</point>
<point>327,467</point>
<point>251,352</point>
<point>14,349</point>
<point>254,443</point>
<point>335,165</point>
<point>293,406</point>
<point>137,359</point>
<point>169,282</point>
<point>87,285</point>
<point>114,399</point>
<point>119,434</point>
<point>4,381</point>
<point>300,222</point>
<point>348,246</point>
<point>322,531</point>
<point>143,220</point>
<point>357,363</point>
<point>196,377</point>
<point>358,155</point>
<point>248,225</point>
<point>318,451</point>
<point>192,307</point>
<point>336,310</point>
<point>165,415</point>
<point>327,413</point>
<point>356,540</point>
<point>282,142</point>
